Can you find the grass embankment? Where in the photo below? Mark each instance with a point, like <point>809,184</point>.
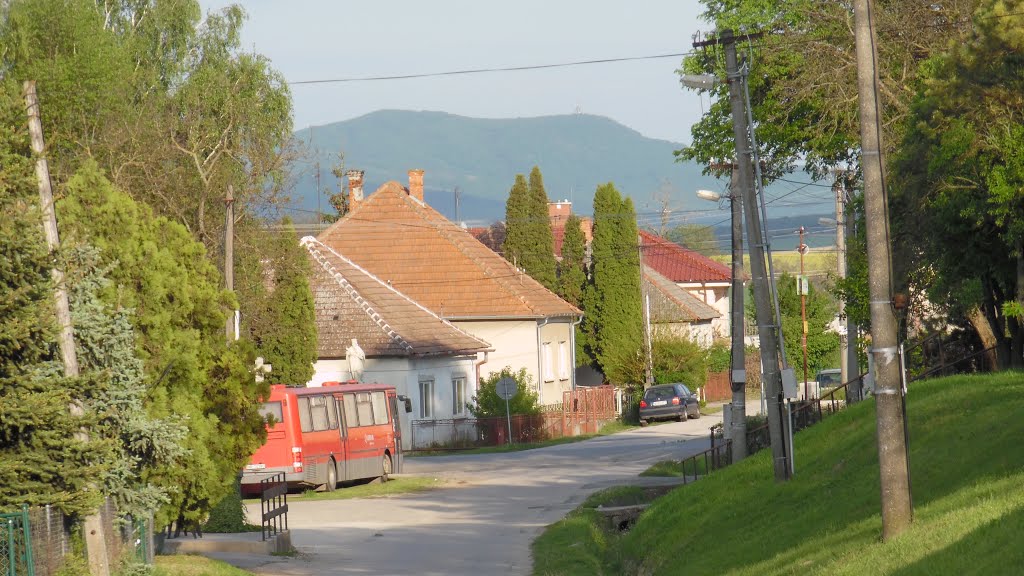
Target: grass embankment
<point>967,466</point>
<point>195,566</point>
<point>376,489</point>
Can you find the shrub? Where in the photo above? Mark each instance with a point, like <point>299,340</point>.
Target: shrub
<point>487,403</point>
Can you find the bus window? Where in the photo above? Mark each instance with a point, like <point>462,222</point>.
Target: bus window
<point>318,410</point>
<point>332,412</point>
<point>303,409</point>
<point>351,419</point>
<point>380,408</point>
<point>364,408</point>
<point>271,412</point>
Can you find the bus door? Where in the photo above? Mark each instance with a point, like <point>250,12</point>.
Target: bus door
<point>344,471</point>
<point>396,422</point>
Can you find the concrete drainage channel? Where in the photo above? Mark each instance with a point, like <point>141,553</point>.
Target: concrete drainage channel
<point>237,543</point>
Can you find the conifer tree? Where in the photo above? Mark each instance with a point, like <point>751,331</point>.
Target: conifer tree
<point>541,264</point>
<point>572,278</point>
<point>517,217</point>
<point>612,303</point>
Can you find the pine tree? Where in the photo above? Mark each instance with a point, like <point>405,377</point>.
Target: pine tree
<point>290,343</point>
<point>541,262</point>
<point>612,303</point>
<point>517,216</point>
<point>42,458</point>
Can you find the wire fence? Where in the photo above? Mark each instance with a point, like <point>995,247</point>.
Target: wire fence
<point>44,547</point>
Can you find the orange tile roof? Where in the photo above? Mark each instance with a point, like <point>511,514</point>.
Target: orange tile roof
<point>680,264</point>
<point>413,248</point>
<point>352,303</point>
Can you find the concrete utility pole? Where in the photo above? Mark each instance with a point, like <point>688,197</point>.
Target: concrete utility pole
<point>803,309</point>
<point>854,391</point>
<point>648,354</point>
<point>897,512</point>
<point>739,370</point>
<point>766,326</point>
<point>229,256</point>
<point>844,340</point>
<point>95,535</point>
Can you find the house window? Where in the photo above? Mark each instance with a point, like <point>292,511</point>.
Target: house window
<point>459,395</point>
<point>548,362</point>
<point>427,398</point>
<point>563,361</point>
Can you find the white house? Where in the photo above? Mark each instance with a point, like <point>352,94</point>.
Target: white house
<point>370,332</point>
<point>395,236</point>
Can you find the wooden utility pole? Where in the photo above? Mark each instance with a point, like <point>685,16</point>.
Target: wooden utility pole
<point>229,256</point>
<point>95,537</point>
<point>897,512</point>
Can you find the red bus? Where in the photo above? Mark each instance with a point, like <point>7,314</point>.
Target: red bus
<point>322,436</point>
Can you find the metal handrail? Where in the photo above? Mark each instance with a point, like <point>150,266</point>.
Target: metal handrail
<point>274,504</point>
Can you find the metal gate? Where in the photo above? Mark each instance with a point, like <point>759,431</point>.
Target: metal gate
<point>15,545</point>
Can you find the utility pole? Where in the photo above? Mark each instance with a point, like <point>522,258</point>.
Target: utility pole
<point>852,332</point>
<point>897,511</point>
<point>95,533</point>
<point>229,257</point>
<point>739,369</point>
<point>766,326</point>
<point>803,284</point>
<point>844,339</point>
<point>649,357</point>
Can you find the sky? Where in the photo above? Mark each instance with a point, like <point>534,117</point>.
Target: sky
<point>320,39</point>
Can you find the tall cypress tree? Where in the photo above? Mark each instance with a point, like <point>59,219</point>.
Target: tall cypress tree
<point>541,263</point>
<point>517,217</point>
<point>572,277</point>
<point>612,303</point>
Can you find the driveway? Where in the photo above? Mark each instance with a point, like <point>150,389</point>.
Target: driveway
<point>484,521</point>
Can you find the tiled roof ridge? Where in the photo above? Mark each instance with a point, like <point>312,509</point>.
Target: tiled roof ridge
<point>444,227</point>
<point>310,239</point>
<point>698,259</point>
<point>310,244</point>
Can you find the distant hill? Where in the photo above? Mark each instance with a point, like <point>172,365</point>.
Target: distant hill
<point>482,156</point>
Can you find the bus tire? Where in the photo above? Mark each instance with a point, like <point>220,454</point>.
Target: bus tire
<point>332,477</point>
<point>386,468</point>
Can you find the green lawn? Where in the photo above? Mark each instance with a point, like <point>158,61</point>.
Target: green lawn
<point>967,466</point>
<point>609,428</point>
<point>195,566</point>
<point>401,485</point>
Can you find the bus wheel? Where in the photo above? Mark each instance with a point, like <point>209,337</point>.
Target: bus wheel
<point>332,477</point>
<point>385,468</point>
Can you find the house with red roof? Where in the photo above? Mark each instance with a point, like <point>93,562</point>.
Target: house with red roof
<point>371,332</point>
<point>401,241</point>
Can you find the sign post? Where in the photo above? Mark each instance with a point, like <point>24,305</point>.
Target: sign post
<point>506,389</point>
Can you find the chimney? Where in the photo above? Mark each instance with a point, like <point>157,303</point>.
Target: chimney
<point>355,188</point>
<point>416,184</point>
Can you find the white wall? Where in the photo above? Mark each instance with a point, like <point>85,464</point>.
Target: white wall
<point>716,295</point>
<point>515,344</point>
<point>405,375</point>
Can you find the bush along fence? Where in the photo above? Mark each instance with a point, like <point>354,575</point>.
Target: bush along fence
<point>37,541</point>
<point>582,411</point>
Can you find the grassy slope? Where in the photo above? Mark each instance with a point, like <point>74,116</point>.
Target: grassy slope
<point>967,462</point>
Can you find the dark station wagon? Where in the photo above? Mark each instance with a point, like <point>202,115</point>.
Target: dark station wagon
<point>668,401</point>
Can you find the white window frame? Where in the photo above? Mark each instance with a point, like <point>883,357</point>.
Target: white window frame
<point>426,397</point>
<point>547,362</point>
<point>460,394</point>
<point>563,360</point>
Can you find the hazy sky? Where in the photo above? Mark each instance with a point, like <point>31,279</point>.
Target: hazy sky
<point>320,39</point>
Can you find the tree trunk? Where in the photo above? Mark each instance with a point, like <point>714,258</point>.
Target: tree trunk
<point>986,334</point>
<point>1017,324</point>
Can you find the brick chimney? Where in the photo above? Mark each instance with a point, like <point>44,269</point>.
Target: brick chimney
<point>559,212</point>
<point>355,188</point>
<point>416,184</point>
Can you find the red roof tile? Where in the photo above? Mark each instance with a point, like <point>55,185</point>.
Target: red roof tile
<point>352,303</point>
<point>413,248</point>
<point>678,264</point>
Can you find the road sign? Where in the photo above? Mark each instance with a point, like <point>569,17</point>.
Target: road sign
<point>506,388</point>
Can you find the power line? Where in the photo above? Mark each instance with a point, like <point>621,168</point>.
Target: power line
<point>491,69</point>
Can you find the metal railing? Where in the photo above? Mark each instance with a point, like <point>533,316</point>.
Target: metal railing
<point>274,504</point>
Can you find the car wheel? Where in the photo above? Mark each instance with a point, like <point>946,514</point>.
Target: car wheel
<point>643,423</point>
<point>681,417</point>
<point>696,414</point>
<point>385,468</point>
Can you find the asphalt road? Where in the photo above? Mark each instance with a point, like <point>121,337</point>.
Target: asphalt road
<point>483,522</point>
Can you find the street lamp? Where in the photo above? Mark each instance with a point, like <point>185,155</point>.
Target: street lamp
<point>699,81</point>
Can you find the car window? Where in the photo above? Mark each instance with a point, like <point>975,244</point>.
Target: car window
<point>659,393</point>
<point>683,390</point>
